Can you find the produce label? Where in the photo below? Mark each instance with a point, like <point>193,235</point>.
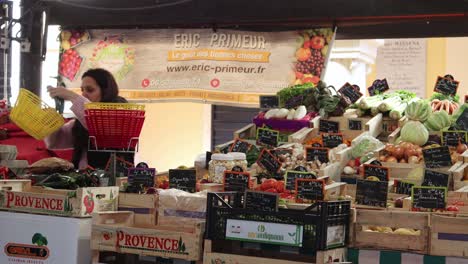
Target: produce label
<point>429,197</point>
<point>320,154</point>
<point>378,87</point>
<point>437,157</point>
<point>376,172</point>
<point>269,101</point>
<point>331,140</point>
<point>227,66</point>
<point>462,120</point>
<point>240,146</point>
<point>351,91</point>
<point>446,85</point>
<point>236,181</point>
<point>291,176</point>
<point>269,161</point>
<point>267,137</point>
<point>402,187</point>
<point>453,138</point>
<point>326,126</point>
<point>261,201</point>
<point>309,190</point>
<point>184,180</point>
<point>372,193</point>
<point>354,124</point>
<point>435,178</point>
<point>141,177</point>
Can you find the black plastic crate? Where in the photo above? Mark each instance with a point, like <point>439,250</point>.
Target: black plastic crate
<point>316,220</point>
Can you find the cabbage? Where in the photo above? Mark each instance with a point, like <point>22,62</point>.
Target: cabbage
<point>437,121</point>
<point>418,110</point>
<point>414,132</point>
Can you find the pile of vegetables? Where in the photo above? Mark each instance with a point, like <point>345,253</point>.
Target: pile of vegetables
<point>414,130</point>
<point>447,103</point>
<point>289,114</point>
<point>292,92</point>
<point>404,152</point>
<point>438,121</point>
<point>326,101</point>
<point>69,181</point>
<point>393,104</point>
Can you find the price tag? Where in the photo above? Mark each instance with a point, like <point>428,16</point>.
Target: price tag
<point>354,124</point>
<point>261,201</point>
<point>372,193</point>
<point>320,154</point>
<point>308,190</point>
<point>236,181</point>
<point>326,126</point>
<point>428,197</point>
<point>403,187</point>
<point>462,120</point>
<point>294,102</point>
<point>351,91</point>
<point>453,138</point>
<point>382,173</point>
<point>291,176</point>
<point>269,161</point>
<point>184,180</point>
<point>435,178</point>
<point>269,101</point>
<point>240,146</point>
<point>378,87</point>
<point>446,85</point>
<point>141,177</point>
<point>437,157</point>
<point>267,137</point>
<point>332,140</point>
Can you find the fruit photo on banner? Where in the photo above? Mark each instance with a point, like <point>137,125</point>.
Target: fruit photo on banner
<point>115,55</point>
<point>70,61</point>
<point>313,46</point>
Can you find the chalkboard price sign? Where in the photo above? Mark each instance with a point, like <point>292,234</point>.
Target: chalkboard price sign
<point>269,101</point>
<point>378,87</point>
<point>402,187</point>
<point>267,137</point>
<point>453,138</point>
<point>308,190</point>
<point>331,140</point>
<point>291,176</point>
<point>236,181</point>
<point>462,120</point>
<point>261,201</point>
<point>446,85</point>
<point>269,161</point>
<point>437,157</point>
<point>326,126</point>
<point>320,154</point>
<point>294,102</point>
<point>141,177</point>
<point>435,178</point>
<point>184,180</point>
<point>382,173</point>
<point>372,193</point>
<point>351,91</point>
<point>240,146</point>
<point>354,124</point>
<point>428,197</point>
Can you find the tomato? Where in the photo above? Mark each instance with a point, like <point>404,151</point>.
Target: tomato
<point>69,51</point>
<point>268,184</point>
<point>452,208</point>
<point>279,186</point>
<point>272,190</point>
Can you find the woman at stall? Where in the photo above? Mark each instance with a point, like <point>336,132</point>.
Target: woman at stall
<point>97,85</point>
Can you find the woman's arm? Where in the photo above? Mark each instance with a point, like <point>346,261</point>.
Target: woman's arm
<point>62,138</point>
<point>78,108</point>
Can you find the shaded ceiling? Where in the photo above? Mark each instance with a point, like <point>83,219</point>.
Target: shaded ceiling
<point>355,18</point>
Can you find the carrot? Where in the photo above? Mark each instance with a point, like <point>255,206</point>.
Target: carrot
<point>437,106</point>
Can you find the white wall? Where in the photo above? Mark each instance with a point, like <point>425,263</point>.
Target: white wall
<point>457,62</point>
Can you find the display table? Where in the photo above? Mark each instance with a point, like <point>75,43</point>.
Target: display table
<point>395,257</point>
<point>42,239</point>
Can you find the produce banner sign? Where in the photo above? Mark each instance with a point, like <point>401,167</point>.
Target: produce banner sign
<point>226,66</point>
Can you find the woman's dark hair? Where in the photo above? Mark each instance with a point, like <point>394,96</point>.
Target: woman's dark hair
<point>105,81</point>
<point>109,94</point>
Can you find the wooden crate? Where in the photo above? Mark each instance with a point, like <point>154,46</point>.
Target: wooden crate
<point>145,207</point>
<point>82,202</point>
<point>117,232</point>
<point>459,198</point>
<point>247,132</point>
<point>460,175</point>
<point>394,219</point>
<point>210,256</point>
<point>449,235</point>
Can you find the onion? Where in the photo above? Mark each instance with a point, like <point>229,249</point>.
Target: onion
<point>461,148</point>
<point>413,160</point>
<point>382,158</point>
<point>411,151</point>
<point>399,152</point>
<point>403,161</point>
<point>390,148</point>
<point>405,145</point>
<point>391,159</point>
